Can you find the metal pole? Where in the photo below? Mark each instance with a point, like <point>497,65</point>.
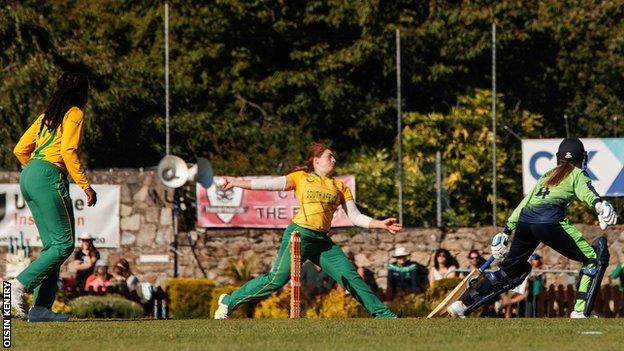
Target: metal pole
<point>167,78</point>
<point>399,126</point>
<point>494,197</point>
<point>567,126</point>
<point>439,189</point>
<point>174,244</point>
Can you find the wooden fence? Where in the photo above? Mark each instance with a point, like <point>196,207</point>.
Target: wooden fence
<point>558,301</point>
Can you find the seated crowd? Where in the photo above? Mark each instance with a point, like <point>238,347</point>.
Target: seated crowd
<point>92,273</point>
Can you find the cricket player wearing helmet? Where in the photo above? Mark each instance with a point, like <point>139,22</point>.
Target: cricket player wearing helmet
<point>540,217</point>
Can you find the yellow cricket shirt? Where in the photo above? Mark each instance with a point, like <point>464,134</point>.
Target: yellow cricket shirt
<point>58,146</point>
<point>319,197</point>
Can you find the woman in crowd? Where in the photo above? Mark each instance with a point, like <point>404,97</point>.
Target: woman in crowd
<point>444,266</point>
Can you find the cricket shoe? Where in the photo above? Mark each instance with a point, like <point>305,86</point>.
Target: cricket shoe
<point>577,314</point>
<point>498,307</point>
<point>42,314</point>
<point>222,310</point>
<point>17,298</point>
<point>457,309</point>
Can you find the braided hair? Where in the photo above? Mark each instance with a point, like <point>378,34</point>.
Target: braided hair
<point>71,90</point>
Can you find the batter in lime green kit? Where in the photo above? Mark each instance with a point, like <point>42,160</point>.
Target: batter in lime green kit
<point>319,196</point>
<point>540,218</point>
<point>48,152</point>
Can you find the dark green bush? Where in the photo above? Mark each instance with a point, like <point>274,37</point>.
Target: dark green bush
<point>106,306</point>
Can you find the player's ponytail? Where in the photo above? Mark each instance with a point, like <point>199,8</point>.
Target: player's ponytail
<point>559,173</point>
<point>571,154</point>
<point>314,150</point>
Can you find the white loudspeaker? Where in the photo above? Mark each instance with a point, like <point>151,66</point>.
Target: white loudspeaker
<point>173,171</point>
<point>202,173</point>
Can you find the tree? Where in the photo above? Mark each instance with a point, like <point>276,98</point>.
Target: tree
<point>464,138</point>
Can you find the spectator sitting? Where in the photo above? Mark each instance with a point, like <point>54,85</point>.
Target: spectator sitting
<point>444,266</point>
<point>122,276</point>
<point>84,261</point>
<point>314,281</point>
<point>402,274</point>
<point>100,279</point>
<point>475,260</point>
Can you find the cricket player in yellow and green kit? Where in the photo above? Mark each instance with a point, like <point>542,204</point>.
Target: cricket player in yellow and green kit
<point>319,196</point>
<point>48,152</point>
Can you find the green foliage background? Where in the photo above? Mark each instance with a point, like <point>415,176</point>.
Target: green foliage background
<point>253,82</point>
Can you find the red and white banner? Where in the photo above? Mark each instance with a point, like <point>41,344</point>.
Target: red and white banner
<point>101,220</point>
<point>237,207</point>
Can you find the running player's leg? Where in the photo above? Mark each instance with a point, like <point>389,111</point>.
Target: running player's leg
<point>513,270</point>
<point>569,241</point>
<point>268,283</point>
<point>335,263</point>
<point>44,295</point>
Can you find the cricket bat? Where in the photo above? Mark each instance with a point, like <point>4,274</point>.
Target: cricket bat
<point>460,289</point>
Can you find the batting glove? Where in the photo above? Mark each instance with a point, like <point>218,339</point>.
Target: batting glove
<point>606,214</point>
<point>499,246</point>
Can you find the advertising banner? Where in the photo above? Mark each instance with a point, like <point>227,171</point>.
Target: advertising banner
<point>237,207</point>
<point>101,220</point>
<point>605,162</point>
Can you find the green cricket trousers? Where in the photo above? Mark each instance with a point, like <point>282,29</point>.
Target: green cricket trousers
<point>321,250</point>
<point>46,191</point>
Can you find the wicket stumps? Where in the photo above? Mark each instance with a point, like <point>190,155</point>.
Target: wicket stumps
<point>295,275</point>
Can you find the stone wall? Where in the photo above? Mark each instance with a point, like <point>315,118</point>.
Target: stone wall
<point>146,228</point>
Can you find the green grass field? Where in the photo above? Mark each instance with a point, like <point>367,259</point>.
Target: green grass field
<point>323,334</point>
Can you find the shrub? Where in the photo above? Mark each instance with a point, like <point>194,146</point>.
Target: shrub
<point>409,305</point>
<point>435,294</point>
<point>61,307</point>
<point>105,306</point>
<point>189,297</point>
<point>241,270</point>
<point>277,305</point>
<point>335,304</point>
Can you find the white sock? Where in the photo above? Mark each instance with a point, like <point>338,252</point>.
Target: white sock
<point>16,284</point>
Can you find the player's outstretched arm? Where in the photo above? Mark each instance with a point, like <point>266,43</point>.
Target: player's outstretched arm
<point>364,221</point>
<point>392,225</point>
<point>276,183</point>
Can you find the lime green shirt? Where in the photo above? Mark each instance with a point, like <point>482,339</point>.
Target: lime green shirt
<point>547,204</point>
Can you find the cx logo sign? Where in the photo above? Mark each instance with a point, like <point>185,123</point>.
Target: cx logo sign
<point>549,156</point>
